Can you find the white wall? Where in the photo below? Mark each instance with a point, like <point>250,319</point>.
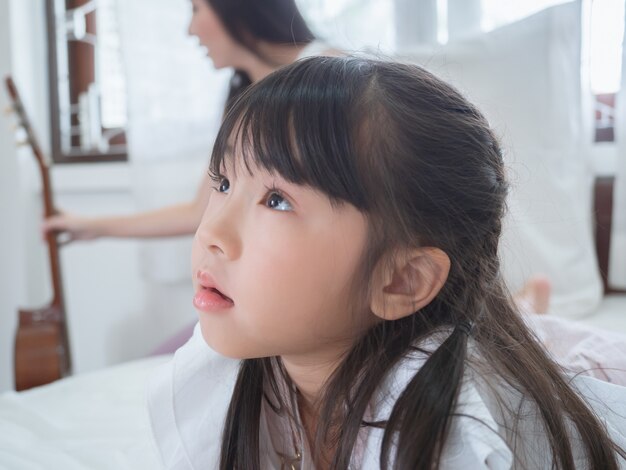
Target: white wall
<point>113,314</point>
<point>10,267</point>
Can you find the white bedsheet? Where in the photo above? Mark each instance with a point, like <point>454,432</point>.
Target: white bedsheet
<point>93,421</point>
<point>610,314</point>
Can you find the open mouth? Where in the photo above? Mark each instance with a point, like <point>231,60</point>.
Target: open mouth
<point>213,289</point>
<point>208,297</point>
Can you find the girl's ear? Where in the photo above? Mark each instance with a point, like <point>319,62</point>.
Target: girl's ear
<point>408,282</point>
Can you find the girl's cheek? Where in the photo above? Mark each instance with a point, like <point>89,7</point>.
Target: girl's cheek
<point>196,259</point>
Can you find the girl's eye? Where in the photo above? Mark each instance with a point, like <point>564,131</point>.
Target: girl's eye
<point>278,202</point>
<point>223,185</point>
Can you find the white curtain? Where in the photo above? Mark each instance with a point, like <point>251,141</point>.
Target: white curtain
<point>464,18</point>
<point>528,75</point>
<point>416,22</point>
<point>352,25</point>
<point>175,101</point>
<point>396,25</point>
<point>617,262</point>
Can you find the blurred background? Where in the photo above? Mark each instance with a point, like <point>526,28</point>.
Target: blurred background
<point>126,107</point>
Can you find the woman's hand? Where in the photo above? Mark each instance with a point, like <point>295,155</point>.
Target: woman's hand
<point>174,220</point>
<point>70,227</point>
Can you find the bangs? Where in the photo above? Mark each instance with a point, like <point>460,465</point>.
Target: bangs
<point>297,124</point>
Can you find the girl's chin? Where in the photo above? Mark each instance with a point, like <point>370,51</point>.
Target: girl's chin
<point>223,349</point>
<point>230,350</point>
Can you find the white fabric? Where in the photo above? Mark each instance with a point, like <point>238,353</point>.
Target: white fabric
<point>352,25</point>
<point>610,315</point>
<point>582,349</point>
<point>415,22</point>
<point>95,421</point>
<point>188,400</point>
<point>617,262</point>
<point>196,375</point>
<point>526,78</point>
<point>464,18</point>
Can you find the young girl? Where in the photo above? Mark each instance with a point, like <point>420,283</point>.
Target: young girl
<point>352,312</point>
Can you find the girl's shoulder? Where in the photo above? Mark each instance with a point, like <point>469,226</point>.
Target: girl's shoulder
<point>188,397</point>
<point>472,442</point>
<point>492,416</point>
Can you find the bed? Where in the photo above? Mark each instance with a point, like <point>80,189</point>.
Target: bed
<point>92,421</point>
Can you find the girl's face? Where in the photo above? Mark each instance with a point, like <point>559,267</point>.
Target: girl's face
<point>208,28</point>
<point>283,259</point>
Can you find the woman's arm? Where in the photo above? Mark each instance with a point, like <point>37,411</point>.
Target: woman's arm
<point>178,219</point>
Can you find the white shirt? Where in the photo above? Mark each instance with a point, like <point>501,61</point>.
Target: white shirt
<point>189,397</point>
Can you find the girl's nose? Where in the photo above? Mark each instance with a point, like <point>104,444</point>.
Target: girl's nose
<point>219,233</point>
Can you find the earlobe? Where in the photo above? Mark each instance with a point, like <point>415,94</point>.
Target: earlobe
<point>408,282</point>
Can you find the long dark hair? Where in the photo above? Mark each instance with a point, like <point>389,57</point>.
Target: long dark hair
<point>423,164</point>
<point>248,21</point>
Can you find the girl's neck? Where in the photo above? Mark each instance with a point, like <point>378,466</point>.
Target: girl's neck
<point>310,374</point>
<point>275,56</point>
<point>309,416</point>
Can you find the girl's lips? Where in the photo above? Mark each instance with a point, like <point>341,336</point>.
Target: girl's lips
<point>210,300</point>
<point>206,281</point>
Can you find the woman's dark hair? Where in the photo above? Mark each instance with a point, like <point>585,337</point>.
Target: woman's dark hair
<point>422,163</point>
<point>248,21</point>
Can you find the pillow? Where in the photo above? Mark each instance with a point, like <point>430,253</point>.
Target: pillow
<point>526,78</point>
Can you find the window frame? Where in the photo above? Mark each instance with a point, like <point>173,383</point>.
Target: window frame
<point>81,69</point>
<point>604,111</point>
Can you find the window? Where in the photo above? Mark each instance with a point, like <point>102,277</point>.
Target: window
<point>607,31</point>
<point>87,88</point>
<point>605,49</point>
